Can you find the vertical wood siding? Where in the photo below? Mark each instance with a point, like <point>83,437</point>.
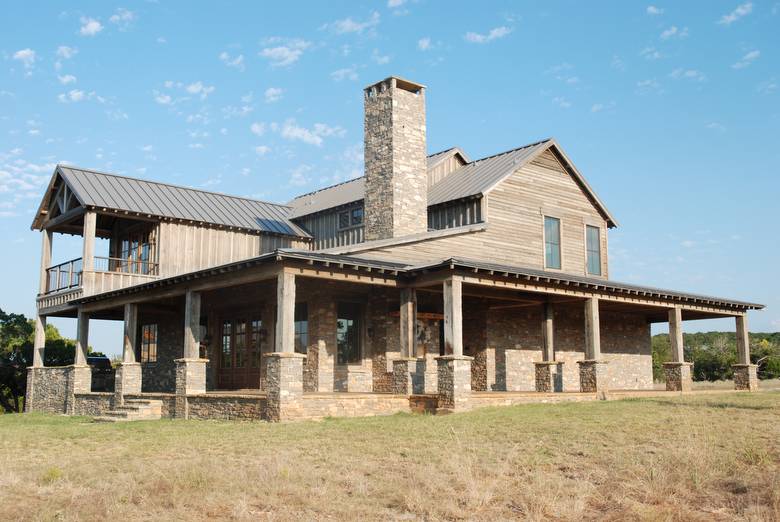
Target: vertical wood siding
<point>440,171</point>
<point>455,214</point>
<point>324,228</point>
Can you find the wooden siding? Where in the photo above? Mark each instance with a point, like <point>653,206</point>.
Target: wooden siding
<point>514,234</point>
<point>455,214</point>
<point>186,248</point>
<point>440,171</point>
<point>324,228</point>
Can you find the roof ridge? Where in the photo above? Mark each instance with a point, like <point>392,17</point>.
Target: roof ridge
<point>510,151</point>
<point>174,185</point>
<point>328,187</point>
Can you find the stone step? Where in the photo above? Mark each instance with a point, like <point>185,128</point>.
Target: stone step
<point>133,410</point>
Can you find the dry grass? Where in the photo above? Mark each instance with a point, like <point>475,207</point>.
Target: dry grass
<point>711,457</point>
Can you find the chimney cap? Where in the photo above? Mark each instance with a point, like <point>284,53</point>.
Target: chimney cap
<point>398,82</point>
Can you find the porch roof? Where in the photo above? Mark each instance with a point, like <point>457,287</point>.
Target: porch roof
<point>411,271</point>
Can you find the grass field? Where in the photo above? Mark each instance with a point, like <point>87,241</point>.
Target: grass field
<point>707,457</point>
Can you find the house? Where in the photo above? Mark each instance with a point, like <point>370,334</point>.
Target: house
<point>437,281</point>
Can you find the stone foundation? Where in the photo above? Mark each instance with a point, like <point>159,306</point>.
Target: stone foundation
<point>745,377</point>
<point>678,376</point>
<point>593,376</point>
<point>285,386</point>
<point>454,382</point>
<point>232,407</point>
<point>549,376</point>
<point>93,404</point>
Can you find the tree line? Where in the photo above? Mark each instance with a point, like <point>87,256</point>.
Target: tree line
<point>714,353</point>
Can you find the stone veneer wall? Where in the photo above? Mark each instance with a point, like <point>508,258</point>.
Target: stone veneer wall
<point>93,404</point>
<point>515,335</point>
<point>160,376</point>
<point>50,389</point>
<point>226,407</point>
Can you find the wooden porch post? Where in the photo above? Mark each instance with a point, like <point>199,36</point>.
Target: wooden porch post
<point>131,327</point>
<point>677,372</point>
<point>743,340</point>
<point>548,351</point>
<point>46,244</point>
<point>40,341</point>
<point>408,322</point>
<point>192,325</point>
<point>88,253</point>
<point>592,330</point>
<point>745,373</point>
<point>453,316</point>
<point>285,312</point>
<point>82,338</point>
<point>676,334</point>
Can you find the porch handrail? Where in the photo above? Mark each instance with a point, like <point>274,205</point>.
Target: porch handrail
<point>127,266</point>
<point>64,276</point>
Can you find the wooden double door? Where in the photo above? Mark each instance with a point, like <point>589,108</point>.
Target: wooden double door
<point>241,341</point>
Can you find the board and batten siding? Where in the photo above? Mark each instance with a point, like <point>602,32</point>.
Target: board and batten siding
<point>515,211</point>
<point>187,248</point>
<point>324,228</point>
<point>455,214</point>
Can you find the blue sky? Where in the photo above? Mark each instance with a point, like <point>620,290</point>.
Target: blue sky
<point>671,111</point>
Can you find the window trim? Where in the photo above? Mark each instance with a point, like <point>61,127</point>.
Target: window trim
<point>349,212</point>
<point>544,241</point>
<point>601,254</point>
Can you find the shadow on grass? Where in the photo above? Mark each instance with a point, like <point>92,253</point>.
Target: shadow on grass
<point>720,405</point>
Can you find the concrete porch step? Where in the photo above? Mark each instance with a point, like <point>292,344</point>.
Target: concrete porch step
<point>133,410</point>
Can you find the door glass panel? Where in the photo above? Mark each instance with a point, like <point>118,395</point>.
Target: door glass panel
<point>254,343</point>
<point>227,356</point>
<point>348,333</point>
<point>240,344</point>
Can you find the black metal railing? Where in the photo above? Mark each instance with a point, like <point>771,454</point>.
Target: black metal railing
<point>125,266</point>
<point>64,276</point>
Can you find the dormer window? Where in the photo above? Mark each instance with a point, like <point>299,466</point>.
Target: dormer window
<point>351,218</point>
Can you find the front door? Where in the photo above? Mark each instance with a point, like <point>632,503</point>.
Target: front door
<point>240,353</point>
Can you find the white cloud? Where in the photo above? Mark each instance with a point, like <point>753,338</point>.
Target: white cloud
<point>348,25</point>
<point>654,11</point>
<point>66,79</point>
<point>380,59</point>
<point>63,51</point>
<point>262,150</point>
<point>716,126</point>
<point>740,11</point>
<point>122,18</point>
<point>236,62</point>
<point>347,73</point>
<point>90,26</point>
<point>200,89</point>
<point>162,40</point>
<point>162,99</point>
<point>746,60</point>
<point>494,34</point>
<point>273,94</point>
<point>231,111</point>
<point>197,146</point>
<point>147,148</point>
<point>600,107</point>
<point>561,102</point>
<point>767,87</point>
<point>285,54</point>
<point>688,74</point>
<point>617,63</point>
<point>648,85</point>
<point>291,131</point>
<point>73,95</point>
<point>258,128</point>
<point>392,4</point>
<point>424,44</point>
<point>27,57</point>
<point>298,175</point>
<point>650,53</point>
<point>674,32</point>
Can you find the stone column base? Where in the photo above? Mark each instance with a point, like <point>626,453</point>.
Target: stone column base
<point>79,381</point>
<point>593,375</point>
<point>285,386</point>
<point>29,394</point>
<point>745,377</point>
<point>454,382</point>
<point>403,375</point>
<point>548,376</point>
<point>190,380</point>
<point>127,381</point>
<point>678,376</point>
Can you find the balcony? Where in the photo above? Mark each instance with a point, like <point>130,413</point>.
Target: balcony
<point>69,280</point>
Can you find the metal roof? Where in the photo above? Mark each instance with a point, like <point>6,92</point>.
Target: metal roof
<point>472,179</point>
<point>111,191</point>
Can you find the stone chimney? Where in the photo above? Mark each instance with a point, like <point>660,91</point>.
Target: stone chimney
<point>396,202</point>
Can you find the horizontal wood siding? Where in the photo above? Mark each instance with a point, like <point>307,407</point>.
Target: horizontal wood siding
<point>455,214</point>
<point>514,235</point>
<point>187,248</point>
<point>323,227</point>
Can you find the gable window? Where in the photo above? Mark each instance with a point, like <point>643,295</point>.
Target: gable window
<point>593,248</point>
<point>351,218</point>
<point>149,343</point>
<point>301,328</point>
<point>349,333</point>
<point>552,242</point>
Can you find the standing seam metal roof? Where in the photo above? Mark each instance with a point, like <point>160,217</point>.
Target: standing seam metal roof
<point>100,189</point>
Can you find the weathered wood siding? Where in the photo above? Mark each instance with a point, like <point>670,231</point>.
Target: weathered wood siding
<point>440,171</point>
<point>324,228</point>
<point>186,248</point>
<point>455,214</point>
<point>514,234</point>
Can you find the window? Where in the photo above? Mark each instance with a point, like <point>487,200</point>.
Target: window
<point>149,343</point>
<point>239,344</point>
<point>351,218</point>
<point>301,328</point>
<point>593,247</point>
<point>348,333</point>
<point>255,342</point>
<point>552,242</point>
<point>227,356</point>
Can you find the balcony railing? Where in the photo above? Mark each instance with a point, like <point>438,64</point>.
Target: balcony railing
<point>63,276</point>
<point>125,266</point>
